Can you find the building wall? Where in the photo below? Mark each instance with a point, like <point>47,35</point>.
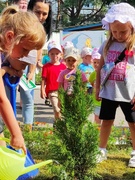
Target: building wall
<point>55,36</point>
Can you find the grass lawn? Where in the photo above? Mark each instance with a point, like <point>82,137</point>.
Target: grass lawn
<point>114,168</point>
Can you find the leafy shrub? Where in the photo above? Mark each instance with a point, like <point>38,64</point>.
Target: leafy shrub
<point>74,143</point>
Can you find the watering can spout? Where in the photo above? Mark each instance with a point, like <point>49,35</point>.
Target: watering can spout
<point>12,163</point>
<point>35,166</point>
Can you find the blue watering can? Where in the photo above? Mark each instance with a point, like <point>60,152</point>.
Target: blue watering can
<point>12,163</point>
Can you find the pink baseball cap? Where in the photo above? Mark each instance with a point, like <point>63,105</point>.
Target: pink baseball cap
<point>95,54</point>
<point>86,51</point>
<point>53,44</point>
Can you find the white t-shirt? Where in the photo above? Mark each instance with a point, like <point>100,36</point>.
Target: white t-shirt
<point>120,85</point>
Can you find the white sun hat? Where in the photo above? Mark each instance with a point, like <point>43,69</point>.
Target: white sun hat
<point>122,12</point>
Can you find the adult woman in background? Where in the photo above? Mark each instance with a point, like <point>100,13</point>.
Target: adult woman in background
<point>43,11</point>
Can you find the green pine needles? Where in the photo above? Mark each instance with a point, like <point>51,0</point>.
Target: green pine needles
<point>74,143</point>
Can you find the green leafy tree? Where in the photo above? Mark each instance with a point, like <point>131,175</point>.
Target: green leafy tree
<point>3,4</point>
<point>71,10</point>
<point>74,143</point>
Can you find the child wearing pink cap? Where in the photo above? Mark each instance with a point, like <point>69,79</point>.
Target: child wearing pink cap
<point>50,73</point>
<point>66,78</point>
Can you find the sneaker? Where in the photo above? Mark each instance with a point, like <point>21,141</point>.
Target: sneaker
<point>50,104</point>
<point>132,160</point>
<point>102,156</point>
<point>47,102</point>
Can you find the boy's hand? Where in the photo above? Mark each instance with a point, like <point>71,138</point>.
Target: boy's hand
<point>42,94</point>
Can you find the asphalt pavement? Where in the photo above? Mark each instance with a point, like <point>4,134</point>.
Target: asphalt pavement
<point>44,113</point>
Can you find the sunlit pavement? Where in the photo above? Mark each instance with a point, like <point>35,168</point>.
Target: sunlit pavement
<point>43,114</point>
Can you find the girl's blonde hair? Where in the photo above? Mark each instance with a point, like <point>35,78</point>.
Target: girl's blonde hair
<point>129,44</point>
<point>25,25</point>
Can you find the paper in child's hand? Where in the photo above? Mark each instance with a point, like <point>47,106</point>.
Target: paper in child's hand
<point>25,84</point>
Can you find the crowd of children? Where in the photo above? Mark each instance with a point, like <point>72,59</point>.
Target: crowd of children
<point>63,62</point>
<point>61,69</point>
